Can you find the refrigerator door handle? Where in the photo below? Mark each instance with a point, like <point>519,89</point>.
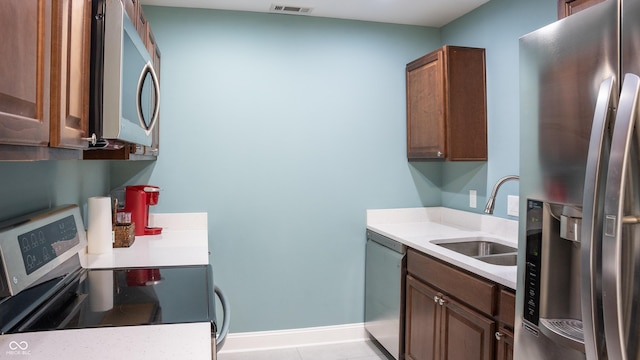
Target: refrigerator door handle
<point>591,242</point>
<point>614,207</point>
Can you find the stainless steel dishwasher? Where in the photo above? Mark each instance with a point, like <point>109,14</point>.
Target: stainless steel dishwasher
<point>385,270</point>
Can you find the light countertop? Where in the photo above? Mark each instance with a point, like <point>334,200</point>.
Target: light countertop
<point>417,228</point>
<point>144,342</point>
<point>183,241</point>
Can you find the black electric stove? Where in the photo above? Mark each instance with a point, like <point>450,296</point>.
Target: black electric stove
<point>89,298</point>
<point>43,287</point>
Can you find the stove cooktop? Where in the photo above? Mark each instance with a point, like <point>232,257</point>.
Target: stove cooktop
<point>91,298</point>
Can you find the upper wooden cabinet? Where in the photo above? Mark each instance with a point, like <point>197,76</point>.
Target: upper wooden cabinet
<point>71,53</point>
<point>446,105</point>
<point>131,8</point>
<point>25,72</point>
<point>44,79</point>
<point>568,7</point>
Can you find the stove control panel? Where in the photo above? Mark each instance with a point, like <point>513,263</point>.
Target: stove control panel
<point>33,245</point>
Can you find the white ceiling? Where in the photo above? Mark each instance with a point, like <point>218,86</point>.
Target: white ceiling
<point>434,13</point>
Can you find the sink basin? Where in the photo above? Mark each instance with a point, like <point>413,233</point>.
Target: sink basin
<point>483,249</point>
<point>478,247</point>
<point>502,259</point>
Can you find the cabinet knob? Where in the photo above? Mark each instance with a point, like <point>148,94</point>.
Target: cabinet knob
<point>92,140</point>
<point>436,299</point>
<point>442,301</point>
<point>499,335</point>
<point>439,154</point>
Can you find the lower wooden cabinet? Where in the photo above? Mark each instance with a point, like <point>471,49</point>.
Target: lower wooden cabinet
<point>439,327</point>
<point>504,344</point>
<point>422,321</point>
<point>467,334</point>
<point>441,322</point>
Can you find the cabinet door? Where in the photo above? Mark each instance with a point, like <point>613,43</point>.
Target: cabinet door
<point>70,73</point>
<point>141,24</point>
<point>507,310</point>
<point>131,8</point>
<point>569,7</point>
<point>426,108</point>
<point>422,321</point>
<point>465,334</point>
<point>25,61</point>
<point>504,344</point>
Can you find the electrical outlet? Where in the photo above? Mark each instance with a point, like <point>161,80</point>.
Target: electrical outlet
<point>473,199</point>
<point>513,205</point>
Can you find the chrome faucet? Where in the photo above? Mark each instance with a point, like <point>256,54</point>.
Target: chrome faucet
<point>488,209</point>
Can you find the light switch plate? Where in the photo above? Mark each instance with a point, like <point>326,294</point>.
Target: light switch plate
<point>473,199</point>
<point>513,205</point>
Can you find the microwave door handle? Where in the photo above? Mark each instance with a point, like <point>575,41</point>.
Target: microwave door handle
<point>148,69</point>
<point>156,90</point>
<point>618,177</point>
<point>592,215</point>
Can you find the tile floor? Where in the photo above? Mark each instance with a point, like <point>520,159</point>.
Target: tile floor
<point>361,350</point>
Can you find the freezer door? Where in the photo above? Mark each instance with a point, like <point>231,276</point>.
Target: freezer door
<point>621,234</point>
<point>591,229</point>
<point>564,67</point>
<point>561,69</point>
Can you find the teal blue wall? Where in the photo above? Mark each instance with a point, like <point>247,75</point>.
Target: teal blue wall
<point>285,129</point>
<point>495,26</point>
<point>31,186</point>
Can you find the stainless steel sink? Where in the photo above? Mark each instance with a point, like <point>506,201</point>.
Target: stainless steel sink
<point>483,249</point>
<point>502,259</point>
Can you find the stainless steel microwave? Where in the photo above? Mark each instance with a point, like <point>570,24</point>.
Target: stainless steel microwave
<point>125,91</point>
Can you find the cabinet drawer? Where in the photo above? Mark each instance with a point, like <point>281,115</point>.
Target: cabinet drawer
<point>478,293</point>
<point>507,311</point>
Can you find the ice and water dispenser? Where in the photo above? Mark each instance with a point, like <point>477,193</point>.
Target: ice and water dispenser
<point>552,303</point>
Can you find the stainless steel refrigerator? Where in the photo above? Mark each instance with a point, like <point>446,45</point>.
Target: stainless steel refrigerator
<point>578,293</point>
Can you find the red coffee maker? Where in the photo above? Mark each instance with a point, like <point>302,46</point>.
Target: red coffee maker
<point>137,201</point>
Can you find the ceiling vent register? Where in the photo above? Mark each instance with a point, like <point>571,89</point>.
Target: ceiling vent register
<point>288,9</point>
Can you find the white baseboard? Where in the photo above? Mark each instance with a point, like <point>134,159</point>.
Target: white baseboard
<point>278,339</point>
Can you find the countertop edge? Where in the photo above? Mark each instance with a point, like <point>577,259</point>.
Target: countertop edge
<point>412,227</point>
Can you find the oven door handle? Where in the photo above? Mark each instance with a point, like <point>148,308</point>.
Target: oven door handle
<point>216,344</point>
